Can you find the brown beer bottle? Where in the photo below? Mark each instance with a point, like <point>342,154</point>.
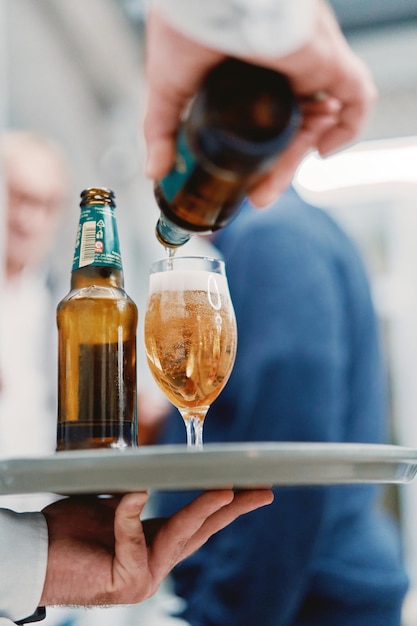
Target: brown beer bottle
<point>97,323</point>
<point>238,123</point>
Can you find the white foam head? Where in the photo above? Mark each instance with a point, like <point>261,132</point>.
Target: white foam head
<point>188,280</point>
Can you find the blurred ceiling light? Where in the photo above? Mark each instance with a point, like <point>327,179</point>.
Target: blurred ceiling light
<point>367,163</point>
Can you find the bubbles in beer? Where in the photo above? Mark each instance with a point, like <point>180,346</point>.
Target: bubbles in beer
<point>190,344</point>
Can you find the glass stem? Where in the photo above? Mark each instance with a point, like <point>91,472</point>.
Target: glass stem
<point>194,426</point>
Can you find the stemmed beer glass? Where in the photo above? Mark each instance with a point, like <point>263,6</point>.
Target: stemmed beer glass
<point>190,335</point>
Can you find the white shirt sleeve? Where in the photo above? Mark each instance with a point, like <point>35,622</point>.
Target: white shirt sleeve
<point>241,27</point>
<point>23,559</point>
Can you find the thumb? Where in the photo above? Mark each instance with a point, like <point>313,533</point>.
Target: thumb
<point>130,543</point>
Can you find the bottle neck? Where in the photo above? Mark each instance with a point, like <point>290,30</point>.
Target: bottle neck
<point>97,259</point>
<point>170,234</point>
<point>98,275</point>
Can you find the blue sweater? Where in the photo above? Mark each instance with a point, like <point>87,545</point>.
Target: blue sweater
<point>308,368</point>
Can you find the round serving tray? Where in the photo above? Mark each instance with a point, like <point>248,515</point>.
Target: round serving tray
<point>216,466</point>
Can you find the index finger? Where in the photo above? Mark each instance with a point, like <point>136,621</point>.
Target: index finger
<point>356,94</point>
<point>243,502</point>
<point>192,526</point>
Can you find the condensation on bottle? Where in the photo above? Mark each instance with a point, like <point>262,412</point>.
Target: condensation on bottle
<point>97,325</point>
<point>238,124</point>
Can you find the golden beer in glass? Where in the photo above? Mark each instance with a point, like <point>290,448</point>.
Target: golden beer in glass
<point>190,335</point>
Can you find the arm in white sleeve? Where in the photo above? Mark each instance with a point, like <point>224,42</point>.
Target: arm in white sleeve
<point>241,27</point>
<point>23,560</point>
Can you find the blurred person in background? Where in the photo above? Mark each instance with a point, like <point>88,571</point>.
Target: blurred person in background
<point>309,369</point>
<point>36,188</point>
<point>36,177</point>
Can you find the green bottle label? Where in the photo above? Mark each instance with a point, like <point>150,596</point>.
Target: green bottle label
<point>97,240</point>
<point>185,163</point>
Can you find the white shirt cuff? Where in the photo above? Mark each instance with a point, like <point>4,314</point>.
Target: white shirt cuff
<point>24,555</point>
<point>242,27</point>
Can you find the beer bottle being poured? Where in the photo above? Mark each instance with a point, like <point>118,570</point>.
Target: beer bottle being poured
<point>97,324</point>
<point>238,123</point>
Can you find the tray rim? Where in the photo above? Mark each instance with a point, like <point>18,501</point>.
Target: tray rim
<point>171,467</point>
